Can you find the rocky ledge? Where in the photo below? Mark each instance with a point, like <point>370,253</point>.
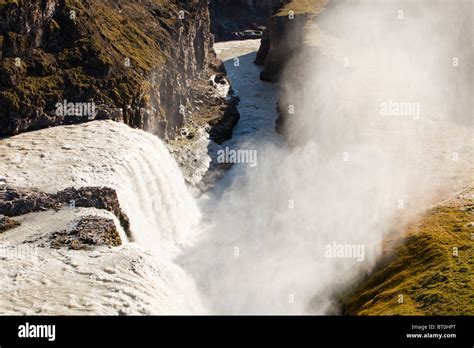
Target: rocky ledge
<point>87,232</point>
<point>284,43</point>
<point>284,36</point>
<point>19,201</point>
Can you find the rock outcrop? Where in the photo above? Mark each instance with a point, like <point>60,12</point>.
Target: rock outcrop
<point>145,63</point>
<point>284,40</point>
<point>7,223</point>
<point>88,232</point>
<point>19,201</point>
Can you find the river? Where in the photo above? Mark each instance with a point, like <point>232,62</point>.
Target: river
<point>256,241</point>
<point>271,233</point>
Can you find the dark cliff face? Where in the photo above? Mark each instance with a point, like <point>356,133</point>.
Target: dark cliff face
<point>283,41</point>
<point>145,63</point>
<point>240,19</point>
<point>283,46</point>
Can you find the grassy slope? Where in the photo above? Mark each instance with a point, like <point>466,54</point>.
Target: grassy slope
<point>423,268</point>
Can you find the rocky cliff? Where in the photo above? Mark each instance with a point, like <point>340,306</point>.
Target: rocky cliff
<point>240,19</point>
<point>145,63</point>
<point>20,201</point>
<point>285,34</point>
<point>284,42</point>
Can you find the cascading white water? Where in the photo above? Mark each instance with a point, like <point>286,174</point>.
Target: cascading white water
<point>356,174</point>
<point>266,228</point>
<point>150,186</point>
<point>151,191</point>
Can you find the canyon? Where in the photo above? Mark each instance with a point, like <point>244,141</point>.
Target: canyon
<point>143,210</point>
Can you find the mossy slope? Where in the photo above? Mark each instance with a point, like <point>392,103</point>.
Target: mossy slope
<point>430,271</point>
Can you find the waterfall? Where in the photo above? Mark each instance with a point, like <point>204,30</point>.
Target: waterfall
<point>153,193</point>
<point>151,190</point>
<point>136,278</point>
<point>149,183</point>
<point>290,234</point>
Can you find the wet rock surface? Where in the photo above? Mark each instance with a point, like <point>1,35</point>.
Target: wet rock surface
<point>19,201</point>
<point>88,232</point>
<point>7,223</point>
<point>283,41</point>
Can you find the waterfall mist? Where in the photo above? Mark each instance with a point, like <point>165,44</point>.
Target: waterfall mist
<point>382,126</point>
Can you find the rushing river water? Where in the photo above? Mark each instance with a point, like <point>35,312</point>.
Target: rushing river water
<point>267,226</point>
<point>227,200</point>
<point>259,245</point>
<point>257,108</point>
<point>128,279</point>
<point>257,105</point>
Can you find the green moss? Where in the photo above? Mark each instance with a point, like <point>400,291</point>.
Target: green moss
<point>85,58</point>
<point>8,66</point>
<point>9,101</point>
<point>423,269</point>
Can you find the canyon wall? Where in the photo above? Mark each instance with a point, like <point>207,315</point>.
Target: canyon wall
<point>240,19</point>
<point>283,40</point>
<point>284,43</point>
<point>149,64</point>
<point>284,35</point>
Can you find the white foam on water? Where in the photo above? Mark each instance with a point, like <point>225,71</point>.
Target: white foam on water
<point>134,278</point>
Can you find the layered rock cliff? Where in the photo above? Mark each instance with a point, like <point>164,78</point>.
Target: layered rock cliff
<point>145,63</point>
